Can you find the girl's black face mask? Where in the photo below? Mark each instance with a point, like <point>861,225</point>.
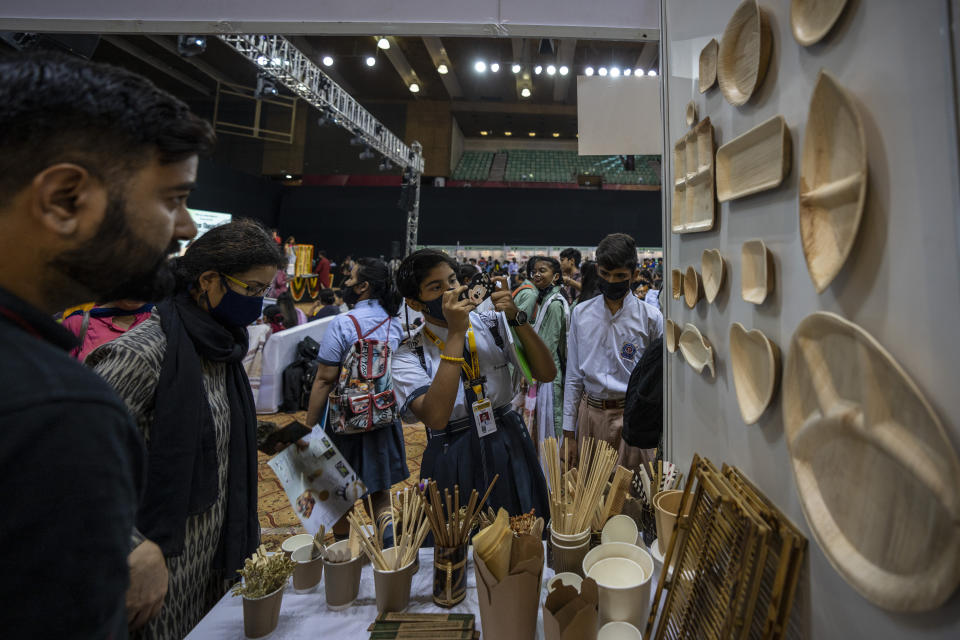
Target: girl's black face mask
<point>434,308</point>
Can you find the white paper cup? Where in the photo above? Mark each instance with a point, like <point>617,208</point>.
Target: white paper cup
<point>618,550</point>
<point>623,573</point>
<point>619,631</point>
<point>619,528</point>
<point>293,543</point>
<point>566,578</point>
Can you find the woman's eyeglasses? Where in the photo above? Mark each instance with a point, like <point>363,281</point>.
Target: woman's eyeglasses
<point>249,289</point>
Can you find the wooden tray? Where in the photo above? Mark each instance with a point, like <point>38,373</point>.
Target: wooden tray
<point>696,349</point>
<point>878,479</point>
<point>756,271</point>
<point>692,287</point>
<point>833,180</point>
<point>691,113</point>
<point>811,20</point>
<point>744,53</point>
<point>755,161</point>
<point>755,361</point>
<point>708,66</point>
<point>713,269</point>
<point>671,335</point>
<point>676,283</point>
<point>694,203</point>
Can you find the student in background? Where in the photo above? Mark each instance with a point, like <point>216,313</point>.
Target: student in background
<point>326,305</point>
<point>608,336</point>
<point>589,288</point>
<point>525,296</point>
<point>103,323</point>
<point>570,264</point>
<point>550,317</point>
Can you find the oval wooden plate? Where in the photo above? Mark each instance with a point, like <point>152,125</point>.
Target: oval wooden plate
<point>878,478</point>
<point>691,287</point>
<point>811,20</point>
<point>671,334</point>
<point>755,361</point>
<point>744,53</point>
<point>713,271</point>
<point>756,271</point>
<point>708,66</point>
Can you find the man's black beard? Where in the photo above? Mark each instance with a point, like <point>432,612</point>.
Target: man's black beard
<point>115,264</point>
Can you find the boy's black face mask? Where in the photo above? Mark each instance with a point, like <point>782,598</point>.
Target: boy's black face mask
<point>613,290</point>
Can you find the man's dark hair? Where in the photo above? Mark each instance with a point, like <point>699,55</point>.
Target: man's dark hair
<point>572,254</point>
<point>617,251</point>
<point>327,296</point>
<point>231,248</point>
<point>58,108</point>
<point>415,268</point>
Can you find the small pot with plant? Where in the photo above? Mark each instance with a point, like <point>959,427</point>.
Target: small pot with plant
<point>264,577</point>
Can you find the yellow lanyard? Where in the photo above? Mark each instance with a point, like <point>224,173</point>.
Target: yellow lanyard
<point>473,369</point>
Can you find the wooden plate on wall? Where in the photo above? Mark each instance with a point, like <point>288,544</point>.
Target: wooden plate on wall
<point>696,349</point>
<point>754,161</point>
<point>713,270</point>
<point>755,361</point>
<point>879,480</point>
<point>811,20</point>
<point>708,66</point>
<point>676,283</point>
<point>692,288</point>
<point>694,203</point>
<point>756,271</point>
<point>833,180</point>
<point>671,334</point>
<point>744,53</point>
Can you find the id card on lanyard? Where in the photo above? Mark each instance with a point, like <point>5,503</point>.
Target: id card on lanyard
<point>482,408</point>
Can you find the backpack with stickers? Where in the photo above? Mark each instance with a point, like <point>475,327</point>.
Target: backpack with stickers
<point>363,399</point>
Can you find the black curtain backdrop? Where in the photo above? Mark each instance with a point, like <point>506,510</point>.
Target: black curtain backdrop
<point>220,188</point>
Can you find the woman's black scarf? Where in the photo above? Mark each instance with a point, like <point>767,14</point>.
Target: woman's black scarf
<point>182,471</point>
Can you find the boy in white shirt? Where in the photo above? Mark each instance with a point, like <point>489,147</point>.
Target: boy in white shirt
<point>608,335</point>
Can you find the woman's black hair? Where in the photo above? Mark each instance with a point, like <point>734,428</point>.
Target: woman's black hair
<point>232,248</point>
<point>327,296</point>
<point>617,251</point>
<point>588,281</point>
<point>273,313</point>
<point>466,271</point>
<point>285,302</point>
<point>555,266</point>
<point>531,261</point>
<point>382,289</point>
<point>415,268</point>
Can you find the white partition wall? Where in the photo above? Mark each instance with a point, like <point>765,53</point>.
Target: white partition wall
<point>901,281</point>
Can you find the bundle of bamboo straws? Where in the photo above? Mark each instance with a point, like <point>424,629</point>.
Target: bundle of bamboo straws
<point>574,500</point>
<point>453,529</point>
<point>413,528</point>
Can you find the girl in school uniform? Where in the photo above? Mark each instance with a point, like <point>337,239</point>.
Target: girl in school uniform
<point>550,315</point>
<point>453,376</point>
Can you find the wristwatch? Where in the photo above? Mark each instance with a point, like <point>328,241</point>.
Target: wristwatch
<point>519,320</point>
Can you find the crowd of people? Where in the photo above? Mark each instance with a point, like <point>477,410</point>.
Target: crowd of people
<point>135,420</point>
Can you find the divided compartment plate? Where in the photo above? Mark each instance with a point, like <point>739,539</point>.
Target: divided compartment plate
<point>811,20</point>
<point>755,161</point>
<point>671,334</point>
<point>756,271</point>
<point>833,180</point>
<point>708,66</point>
<point>692,287</point>
<point>755,361</point>
<point>693,207</point>
<point>676,283</point>
<point>744,53</point>
<point>878,479</point>
<point>713,270</point>
<point>696,349</point>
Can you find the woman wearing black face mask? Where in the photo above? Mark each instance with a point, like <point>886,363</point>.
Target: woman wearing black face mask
<point>181,375</point>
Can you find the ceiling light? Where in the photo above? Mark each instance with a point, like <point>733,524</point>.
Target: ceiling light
<point>483,133</point>
<point>288,176</point>
<point>652,72</point>
<point>638,72</point>
<point>515,68</point>
<point>508,133</point>
<point>564,70</point>
<point>603,71</point>
<point>262,60</point>
<point>627,72</point>
<point>525,92</point>
<point>191,45</point>
<point>588,71</point>
<point>551,70</point>
<point>327,61</point>
<point>371,61</point>
<point>383,43</point>
<point>442,69</point>
<point>615,72</point>
<point>414,87</point>
<point>556,135</point>
<point>275,62</point>
<point>532,134</point>
<point>495,67</point>
<point>480,66</point>
<point>537,69</point>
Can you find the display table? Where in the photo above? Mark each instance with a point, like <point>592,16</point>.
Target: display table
<point>279,352</point>
<point>306,616</point>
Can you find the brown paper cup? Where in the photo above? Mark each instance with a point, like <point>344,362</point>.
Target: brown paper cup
<point>392,587</point>
<point>307,573</point>
<point>343,579</point>
<point>667,506</point>
<point>568,551</point>
<point>260,615</point>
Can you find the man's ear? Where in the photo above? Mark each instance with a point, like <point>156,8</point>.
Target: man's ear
<point>635,275</point>
<point>66,199</point>
<point>414,304</point>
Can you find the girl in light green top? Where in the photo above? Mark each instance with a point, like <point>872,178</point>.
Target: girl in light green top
<point>550,318</point>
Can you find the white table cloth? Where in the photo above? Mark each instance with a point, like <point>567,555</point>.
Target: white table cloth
<point>279,352</point>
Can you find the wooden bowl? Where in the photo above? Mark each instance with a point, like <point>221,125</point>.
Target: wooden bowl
<point>676,283</point>
<point>811,20</point>
<point>756,271</point>
<point>755,361</point>
<point>692,289</point>
<point>755,161</point>
<point>713,271</point>
<point>671,334</point>
<point>708,66</point>
<point>744,53</point>
<point>877,476</point>
<point>691,113</point>
<point>696,349</point>
<point>833,180</point>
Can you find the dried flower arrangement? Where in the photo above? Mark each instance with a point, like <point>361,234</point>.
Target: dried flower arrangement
<point>263,574</point>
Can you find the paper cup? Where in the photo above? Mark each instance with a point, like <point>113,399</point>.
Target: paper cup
<point>569,551</point>
<point>666,504</point>
<point>617,550</point>
<point>619,528</point>
<point>567,578</point>
<point>261,615</point>
<point>307,573</point>
<point>393,587</point>
<point>293,543</point>
<point>619,631</point>
<point>629,603</point>
<point>343,578</point>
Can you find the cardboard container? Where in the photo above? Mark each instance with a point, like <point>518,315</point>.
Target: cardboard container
<point>261,615</point>
<point>509,607</point>
<point>393,587</point>
<point>307,573</point>
<point>571,614</point>
<point>343,579</point>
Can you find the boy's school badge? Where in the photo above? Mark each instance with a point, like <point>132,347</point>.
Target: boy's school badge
<point>628,351</point>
